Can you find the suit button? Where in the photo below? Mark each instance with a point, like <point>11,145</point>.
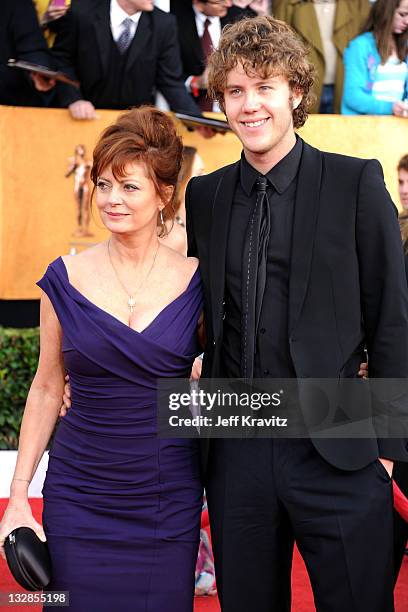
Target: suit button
<point>214,343</point>
<point>266,372</point>
<point>262,330</point>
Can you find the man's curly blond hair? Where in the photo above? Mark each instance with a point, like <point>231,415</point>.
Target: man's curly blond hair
<point>267,47</point>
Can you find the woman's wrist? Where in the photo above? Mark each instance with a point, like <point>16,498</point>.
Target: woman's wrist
<point>19,488</point>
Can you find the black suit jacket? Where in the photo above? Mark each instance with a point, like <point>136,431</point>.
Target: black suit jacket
<point>347,285</point>
<point>82,48</point>
<point>192,55</point>
<point>20,38</point>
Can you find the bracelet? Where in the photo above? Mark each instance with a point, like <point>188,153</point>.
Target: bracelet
<point>22,480</point>
<point>194,87</point>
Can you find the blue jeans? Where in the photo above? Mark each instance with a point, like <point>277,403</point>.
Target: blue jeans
<point>327,100</point>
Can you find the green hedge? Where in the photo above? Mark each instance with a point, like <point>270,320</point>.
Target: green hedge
<point>19,350</point>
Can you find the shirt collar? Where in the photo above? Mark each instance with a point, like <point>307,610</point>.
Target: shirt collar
<point>280,176</point>
<point>118,15</point>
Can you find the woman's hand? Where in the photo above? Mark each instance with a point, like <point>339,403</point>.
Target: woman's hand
<point>18,514</point>
<point>400,109</point>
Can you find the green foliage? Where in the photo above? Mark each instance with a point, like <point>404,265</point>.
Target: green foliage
<point>19,349</point>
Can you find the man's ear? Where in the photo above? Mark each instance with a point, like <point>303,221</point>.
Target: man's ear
<point>297,96</point>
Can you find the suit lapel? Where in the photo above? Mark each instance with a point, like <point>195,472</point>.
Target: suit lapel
<point>140,39</point>
<point>221,204</point>
<point>103,33</point>
<point>306,211</point>
<point>194,41</point>
<point>343,17</point>
<point>187,31</point>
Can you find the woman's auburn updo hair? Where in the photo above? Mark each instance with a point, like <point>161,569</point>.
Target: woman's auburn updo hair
<point>144,135</point>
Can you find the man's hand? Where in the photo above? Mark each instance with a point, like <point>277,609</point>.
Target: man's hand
<point>363,371</point>
<point>206,132</point>
<point>388,466</point>
<point>82,109</point>
<point>196,369</point>
<point>201,81</point>
<point>41,82</point>
<point>387,463</point>
<point>66,398</point>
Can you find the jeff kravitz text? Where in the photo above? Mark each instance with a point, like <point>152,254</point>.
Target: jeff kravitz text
<point>231,421</point>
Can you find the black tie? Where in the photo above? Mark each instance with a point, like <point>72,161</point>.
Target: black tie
<point>204,102</point>
<point>254,263</point>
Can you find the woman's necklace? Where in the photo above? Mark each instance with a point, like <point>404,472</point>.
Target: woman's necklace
<point>131,299</point>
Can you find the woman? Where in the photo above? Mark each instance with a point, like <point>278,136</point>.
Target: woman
<point>192,165</point>
<point>376,63</point>
<point>121,507</point>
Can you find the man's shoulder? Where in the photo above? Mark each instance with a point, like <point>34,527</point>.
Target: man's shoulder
<point>203,189</point>
<point>88,7</point>
<point>348,161</point>
<point>212,178</point>
<point>162,18</point>
<point>339,160</point>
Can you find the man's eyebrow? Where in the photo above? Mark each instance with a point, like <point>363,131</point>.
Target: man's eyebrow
<point>258,82</point>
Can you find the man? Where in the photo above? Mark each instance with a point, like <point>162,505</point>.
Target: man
<point>22,39</point>
<point>403,181</point>
<point>327,27</point>
<point>199,26</point>
<point>253,7</point>
<point>328,281</point>
<point>121,51</point>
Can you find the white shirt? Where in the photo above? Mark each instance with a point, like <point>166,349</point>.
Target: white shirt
<point>164,5</point>
<point>117,17</point>
<point>214,28</point>
<point>326,14</point>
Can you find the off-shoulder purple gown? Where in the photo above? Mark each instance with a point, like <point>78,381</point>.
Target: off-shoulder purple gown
<point>122,507</point>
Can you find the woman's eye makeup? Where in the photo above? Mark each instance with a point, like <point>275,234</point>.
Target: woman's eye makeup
<point>102,185</point>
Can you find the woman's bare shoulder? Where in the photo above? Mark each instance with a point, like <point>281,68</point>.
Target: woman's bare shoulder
<point>85,261</point>
<point>179,265</point>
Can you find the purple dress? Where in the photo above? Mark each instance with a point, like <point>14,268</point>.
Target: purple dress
<point>122,507</point>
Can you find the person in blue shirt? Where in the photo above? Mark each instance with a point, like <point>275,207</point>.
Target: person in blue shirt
<point>376,68</point>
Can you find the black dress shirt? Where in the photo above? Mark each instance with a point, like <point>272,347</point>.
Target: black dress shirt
<point>272,357</point>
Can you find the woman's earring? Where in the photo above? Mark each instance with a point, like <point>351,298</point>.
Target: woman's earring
<point>161,219</point>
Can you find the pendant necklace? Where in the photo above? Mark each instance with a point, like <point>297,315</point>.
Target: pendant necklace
<point>131,302</point>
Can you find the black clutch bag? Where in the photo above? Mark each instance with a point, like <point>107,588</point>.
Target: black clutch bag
<point>28,559</point>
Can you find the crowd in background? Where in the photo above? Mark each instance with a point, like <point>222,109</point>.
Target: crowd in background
<point>123,52</point>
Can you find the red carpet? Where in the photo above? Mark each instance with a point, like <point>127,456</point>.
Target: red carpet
<point>302,595</point>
